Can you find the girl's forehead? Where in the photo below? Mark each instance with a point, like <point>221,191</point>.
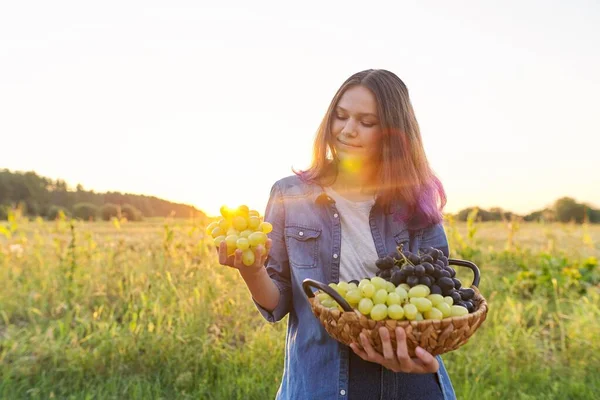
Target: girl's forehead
<point>358,99</point>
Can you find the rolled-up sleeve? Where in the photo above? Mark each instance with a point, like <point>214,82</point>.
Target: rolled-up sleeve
<point>277,264</point>
<point>435,236</point>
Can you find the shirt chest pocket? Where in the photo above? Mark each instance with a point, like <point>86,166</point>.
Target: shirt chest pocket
<point>302,245</point>
<point>402,239</point>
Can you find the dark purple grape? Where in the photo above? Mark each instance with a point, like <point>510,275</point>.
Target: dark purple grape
<point>435,289</point>
<point>433,253</point>
<point>462,304</point>
<point>437,271</point>
<point>444,274</point>
<point>410,269</point>
<point>385,263</point>
<point>419,270</point>
<point>440,263</point>
<point>469,305</point>
<point>427,258</point>
<point>457,283</point>
<point>412,281</point>
<point>386,274</point>
<point>425,280</point>
<point>428,268</point>
<point>466,293</point>
<point>413,258</point>
<point>444,259</point>
<point>397,278</point>
<point>455,297</point>
<point>450,270</point>
<point>445,283</point>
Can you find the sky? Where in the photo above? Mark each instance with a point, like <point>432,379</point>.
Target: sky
<point>210,103</point>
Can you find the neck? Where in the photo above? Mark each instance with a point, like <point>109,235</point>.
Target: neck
<point>355,179</point>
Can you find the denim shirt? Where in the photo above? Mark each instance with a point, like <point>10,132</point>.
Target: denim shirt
<point>306,241</point>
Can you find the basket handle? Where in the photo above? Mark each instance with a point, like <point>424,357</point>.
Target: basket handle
<point>308,283</point>
<point>470,265</point>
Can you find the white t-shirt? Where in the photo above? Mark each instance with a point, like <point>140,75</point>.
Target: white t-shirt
<point>358,254</point>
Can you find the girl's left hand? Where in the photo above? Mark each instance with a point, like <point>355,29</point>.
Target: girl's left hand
<point>399,361</point>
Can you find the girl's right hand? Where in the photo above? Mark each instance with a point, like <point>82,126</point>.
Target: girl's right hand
<point>235,260</point>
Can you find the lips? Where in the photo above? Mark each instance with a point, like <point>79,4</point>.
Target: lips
<point>348,144</point>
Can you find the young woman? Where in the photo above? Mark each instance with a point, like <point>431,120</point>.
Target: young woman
<point>369,189</point>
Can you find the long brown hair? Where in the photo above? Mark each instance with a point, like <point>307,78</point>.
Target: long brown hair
<point>404,173</point>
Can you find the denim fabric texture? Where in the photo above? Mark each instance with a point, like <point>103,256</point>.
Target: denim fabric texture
<point>306,241</point>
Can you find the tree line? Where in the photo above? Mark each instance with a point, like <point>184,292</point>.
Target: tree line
<point>45,197</point>
<point>40,196</point>
<point>565,209</point>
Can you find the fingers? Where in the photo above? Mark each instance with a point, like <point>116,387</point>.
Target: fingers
<point>425,362</point>
<point>230,260</point>
<point>372,355</point>
<point>259,253</point>
<point>223,253</point>
<point>386,344</point>
<point>237,259</point>
<point>268,250</point>
<point>428,361</point>
<point>402,349</point>
<point>359,352</point>
<point>399,362</point>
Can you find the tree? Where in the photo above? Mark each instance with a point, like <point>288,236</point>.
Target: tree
<point>594,216</point>
<point>131,213</point>
<point>54,211</point>
<point>85,211</point>
<point>567,210</point>
<point>109,211</point>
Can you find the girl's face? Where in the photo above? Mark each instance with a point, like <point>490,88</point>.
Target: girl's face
<point>355,126</point>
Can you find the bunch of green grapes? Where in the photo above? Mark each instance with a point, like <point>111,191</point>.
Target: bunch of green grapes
<point>380,299</point>
<point>240,228</point>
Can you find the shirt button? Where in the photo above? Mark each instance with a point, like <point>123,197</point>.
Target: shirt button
<point>335,215</point>
<point>335,255</point>
<point>343,392</point>
<point>301,233</point>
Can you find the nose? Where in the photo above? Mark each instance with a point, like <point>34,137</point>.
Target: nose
<point>349,129</point>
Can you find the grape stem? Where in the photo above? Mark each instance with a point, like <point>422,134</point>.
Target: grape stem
<point>405,260</point>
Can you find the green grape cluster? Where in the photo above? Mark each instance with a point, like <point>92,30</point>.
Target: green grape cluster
<point>379,299</point>
<point>240,228</point>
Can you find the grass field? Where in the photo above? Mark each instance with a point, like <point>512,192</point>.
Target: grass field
<point>143,310</point>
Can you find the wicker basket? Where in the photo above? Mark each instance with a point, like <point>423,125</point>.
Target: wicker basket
<point>435,336</point>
